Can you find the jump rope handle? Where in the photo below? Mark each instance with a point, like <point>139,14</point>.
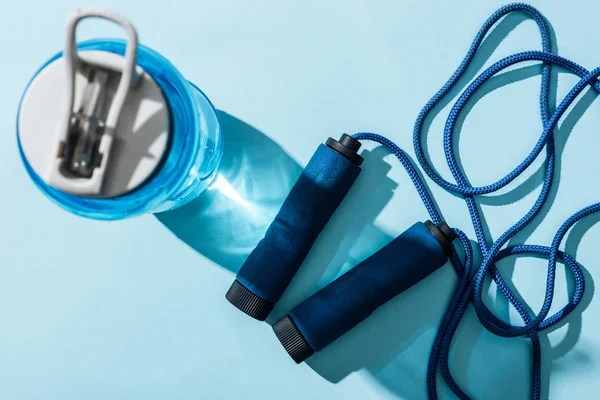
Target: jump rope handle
<point>316,195</point>
<point>350,299</point>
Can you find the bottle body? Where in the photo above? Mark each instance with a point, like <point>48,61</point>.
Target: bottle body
<point>187,167</point>
<point>206,160</point>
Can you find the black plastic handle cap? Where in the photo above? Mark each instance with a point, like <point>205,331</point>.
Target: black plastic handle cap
<point>443,234</point>
<point>346,146</point>
<point>248,302</point>
<point>292,340</point>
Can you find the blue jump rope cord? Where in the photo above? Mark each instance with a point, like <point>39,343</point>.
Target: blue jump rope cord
<point>470,285</point>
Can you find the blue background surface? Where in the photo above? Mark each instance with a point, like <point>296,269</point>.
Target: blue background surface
<point>136,310</point>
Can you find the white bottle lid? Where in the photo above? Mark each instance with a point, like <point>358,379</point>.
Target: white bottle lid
<point>93,123</point>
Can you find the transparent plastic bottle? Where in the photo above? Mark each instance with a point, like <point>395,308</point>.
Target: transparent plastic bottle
<point>193,156</point>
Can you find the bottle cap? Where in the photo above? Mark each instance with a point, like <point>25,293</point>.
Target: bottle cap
<point>93,123</point>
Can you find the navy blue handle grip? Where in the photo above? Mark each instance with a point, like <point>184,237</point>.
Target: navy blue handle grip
<point>316,195</point>
<point>347,301</point>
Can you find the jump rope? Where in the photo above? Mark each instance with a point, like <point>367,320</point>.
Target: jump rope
<point>423,248</point>
<point>354,296</point>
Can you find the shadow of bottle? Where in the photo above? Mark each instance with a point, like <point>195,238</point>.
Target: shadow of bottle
<point>227,221</point>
